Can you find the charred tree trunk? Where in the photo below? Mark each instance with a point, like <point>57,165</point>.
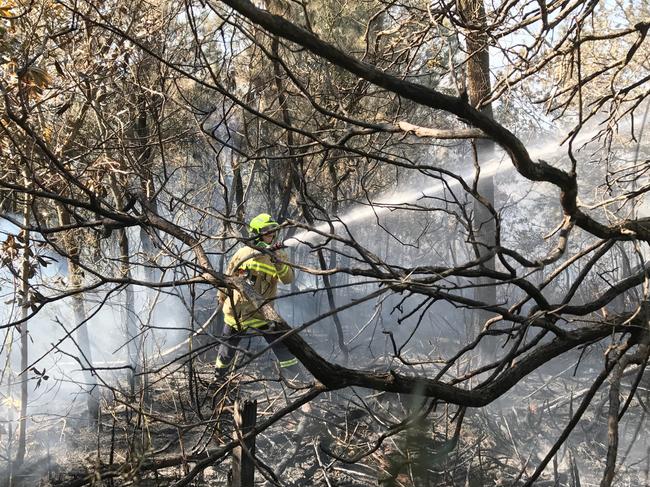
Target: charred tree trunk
<point>243,466</point>
<point>144,156</point>
<point>293,181</point>
<point>478,89</point>
<point>130,327</point>
<point>236,205</point>
<point>75,281</point>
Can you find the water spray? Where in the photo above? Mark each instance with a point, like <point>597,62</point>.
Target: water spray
<point>389,201</point>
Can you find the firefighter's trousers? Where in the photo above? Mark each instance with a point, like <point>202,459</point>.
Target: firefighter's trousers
<point>231,337</point>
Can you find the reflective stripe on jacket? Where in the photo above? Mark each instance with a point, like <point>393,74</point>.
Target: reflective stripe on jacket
<point>264,275</point>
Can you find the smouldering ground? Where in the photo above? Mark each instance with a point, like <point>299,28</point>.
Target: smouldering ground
<point>340,439</point>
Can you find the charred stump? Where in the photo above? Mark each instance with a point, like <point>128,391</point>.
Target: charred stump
<point>243,465</point>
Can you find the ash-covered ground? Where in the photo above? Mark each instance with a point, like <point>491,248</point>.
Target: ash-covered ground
<point>180,432</point>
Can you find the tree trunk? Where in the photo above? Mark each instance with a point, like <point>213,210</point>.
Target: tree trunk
<point>144,156</point>
<point>130,326</point>
<point>25,272</point>
<point>75,282</point>
<point>478,88</point>
<point>128,314</point>
<point>293,181</point>
<point>144,153</point>
<point>243,467</point>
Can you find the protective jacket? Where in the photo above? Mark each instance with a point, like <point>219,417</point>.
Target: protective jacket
<point>263,271</point>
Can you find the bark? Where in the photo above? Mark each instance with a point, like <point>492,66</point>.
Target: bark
<point>145,160</point>
<point>129,323</point>
<point>478,88</point>
<point>75,283</point>
<point>236,205</point>
<point>133,341</point>
<point>25,272</point>
<point>243,464</point>
<point>293,180</point>
<point>612,426</point>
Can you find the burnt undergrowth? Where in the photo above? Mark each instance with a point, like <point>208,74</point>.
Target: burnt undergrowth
<point>179,431</point>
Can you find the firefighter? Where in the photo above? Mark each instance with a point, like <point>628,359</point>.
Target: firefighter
<point>262,269</point>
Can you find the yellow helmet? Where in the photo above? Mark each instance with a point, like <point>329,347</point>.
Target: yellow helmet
<point>262,223</point>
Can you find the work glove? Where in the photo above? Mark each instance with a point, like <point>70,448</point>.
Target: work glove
<point>247,274</point>
<point>275,248</point>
